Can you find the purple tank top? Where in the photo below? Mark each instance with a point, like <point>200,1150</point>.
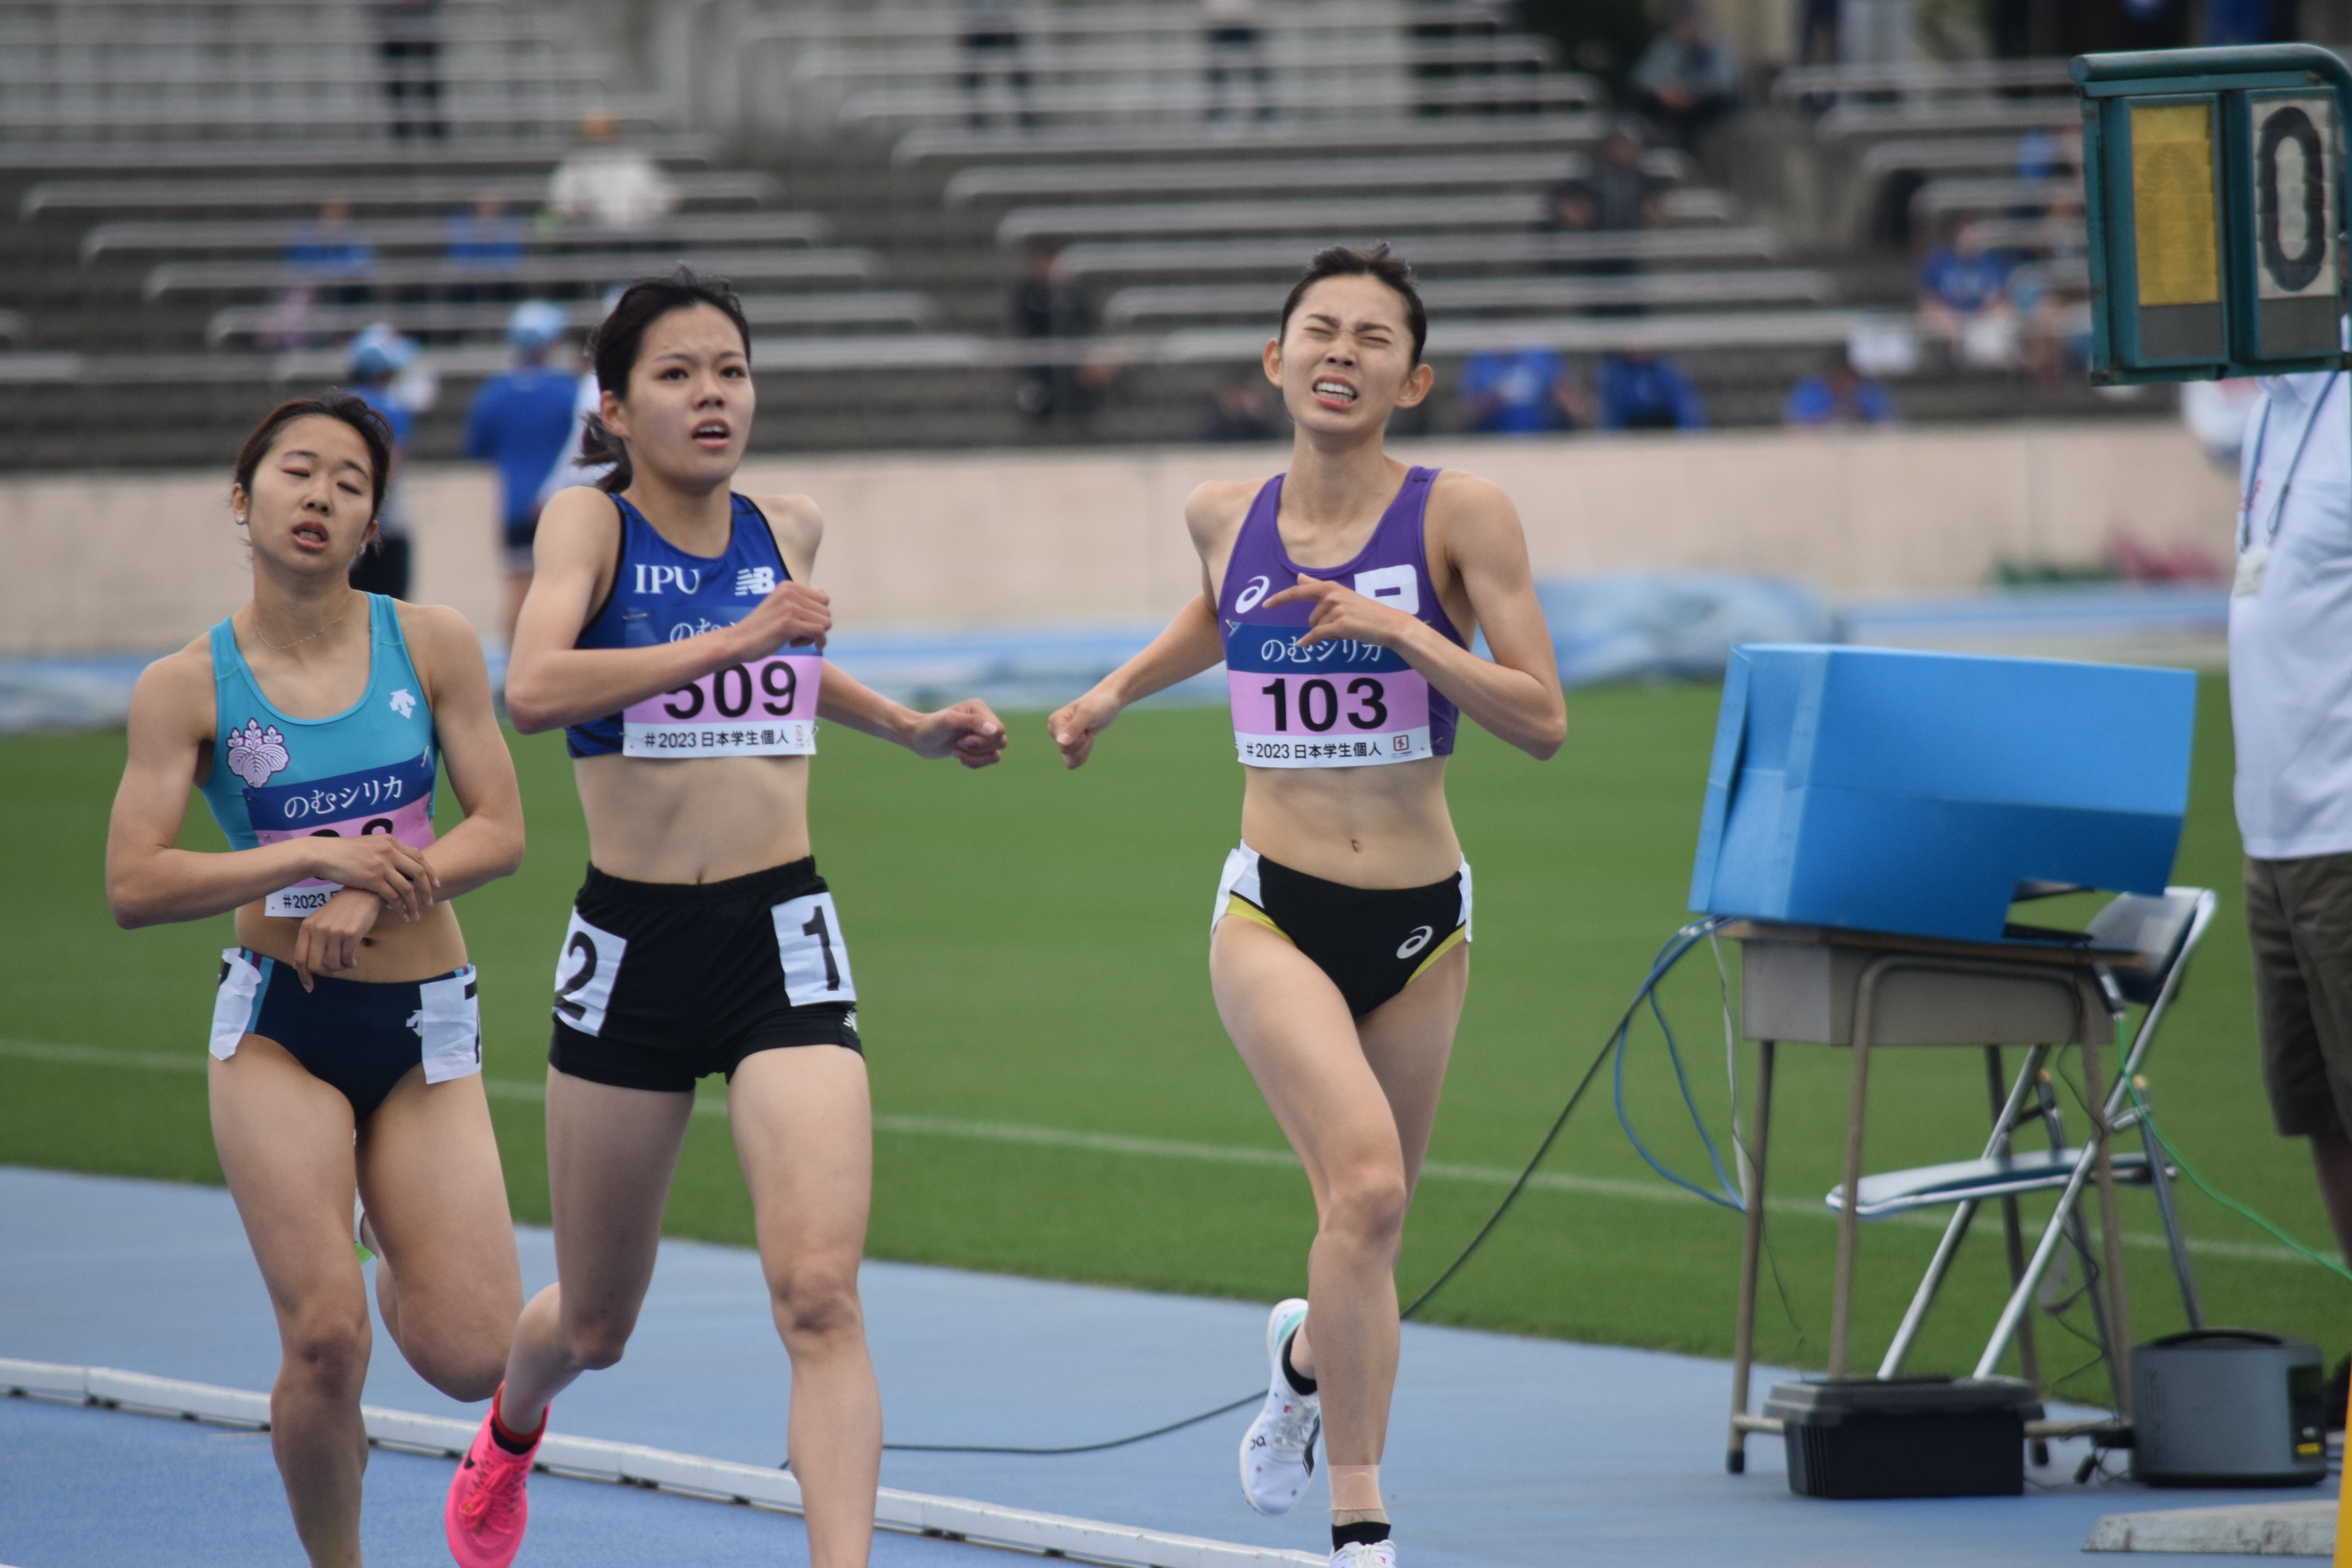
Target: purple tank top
<point>1332,704</point>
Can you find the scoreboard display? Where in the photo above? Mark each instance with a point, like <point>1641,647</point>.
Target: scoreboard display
<point>2213,187</point>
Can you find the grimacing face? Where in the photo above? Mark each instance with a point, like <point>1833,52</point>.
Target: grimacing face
<point>688,414</point>
<point>313,503</point>
<point>1345,361</point>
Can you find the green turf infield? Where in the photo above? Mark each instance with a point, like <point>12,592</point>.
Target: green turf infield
<point>1056,1097</point>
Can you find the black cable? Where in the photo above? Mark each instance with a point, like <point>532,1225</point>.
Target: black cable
<point>1666,960</point>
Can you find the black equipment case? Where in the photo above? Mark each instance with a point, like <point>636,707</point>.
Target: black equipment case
<point>1905,1436</point>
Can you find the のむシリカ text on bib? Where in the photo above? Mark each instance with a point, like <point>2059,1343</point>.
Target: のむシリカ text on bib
<point>1336,702</point>
<point>369,769</point>
<point>760,708</point>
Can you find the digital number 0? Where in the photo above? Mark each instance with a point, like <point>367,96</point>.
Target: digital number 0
<point>719,693</point>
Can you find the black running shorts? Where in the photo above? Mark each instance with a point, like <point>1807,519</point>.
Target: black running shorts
<point>661,983</point>
<point>1371,941</point>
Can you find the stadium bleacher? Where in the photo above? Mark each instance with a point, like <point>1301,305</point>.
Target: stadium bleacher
<point>872,183</point>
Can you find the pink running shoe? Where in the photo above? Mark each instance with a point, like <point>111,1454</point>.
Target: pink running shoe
<point>488,1506</point>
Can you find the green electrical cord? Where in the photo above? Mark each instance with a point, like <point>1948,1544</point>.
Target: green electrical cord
<point>2148,1117</point>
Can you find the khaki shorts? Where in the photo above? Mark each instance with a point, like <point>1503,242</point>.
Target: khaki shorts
<point>2299,918</point>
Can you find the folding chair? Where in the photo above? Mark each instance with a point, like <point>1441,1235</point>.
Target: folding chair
<point>2164,931</point>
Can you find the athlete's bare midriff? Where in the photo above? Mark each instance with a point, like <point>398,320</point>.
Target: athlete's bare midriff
<point>660,819</point>
<point>395,950</point>
<point>1362,827</point>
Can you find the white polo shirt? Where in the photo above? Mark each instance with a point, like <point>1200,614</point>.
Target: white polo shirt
<point>2290,621</point>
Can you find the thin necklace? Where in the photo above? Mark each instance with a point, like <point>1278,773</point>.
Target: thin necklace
<point>298,642</point>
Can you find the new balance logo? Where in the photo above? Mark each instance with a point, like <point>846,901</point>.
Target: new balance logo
<point>756,580</point>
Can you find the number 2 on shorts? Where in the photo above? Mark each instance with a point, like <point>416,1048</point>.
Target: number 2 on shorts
<point>585,972</point>
<point>808,940</point>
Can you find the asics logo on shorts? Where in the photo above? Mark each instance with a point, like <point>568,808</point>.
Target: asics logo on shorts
<point>1246,600</point>
<point>1416,941</point>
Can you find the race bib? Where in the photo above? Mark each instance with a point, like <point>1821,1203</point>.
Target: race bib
<point>1332,704</point>
<point>766,708</point>
<point>397,800</point>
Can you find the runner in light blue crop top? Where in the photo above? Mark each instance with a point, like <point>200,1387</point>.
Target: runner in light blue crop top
<point>370,769</point>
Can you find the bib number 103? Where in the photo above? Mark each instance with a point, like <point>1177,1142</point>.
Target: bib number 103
<point>1320,704</point>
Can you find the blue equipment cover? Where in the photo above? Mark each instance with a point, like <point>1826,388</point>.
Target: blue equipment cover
<point>1885,790</point>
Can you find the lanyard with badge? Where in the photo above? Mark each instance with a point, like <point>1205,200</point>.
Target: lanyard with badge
<point>2253,552</point>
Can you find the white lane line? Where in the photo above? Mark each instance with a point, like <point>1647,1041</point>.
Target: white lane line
<point>690,1475</point>
<point>1614,1187</point>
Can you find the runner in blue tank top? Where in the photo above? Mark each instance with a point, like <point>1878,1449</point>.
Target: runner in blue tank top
<point>672,632</point>
<point>1343,596</point>
<point>346,1038</point>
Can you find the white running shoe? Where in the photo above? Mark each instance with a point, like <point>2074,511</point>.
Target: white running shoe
<point>1378,1554</point>
<point>1279,1449</point>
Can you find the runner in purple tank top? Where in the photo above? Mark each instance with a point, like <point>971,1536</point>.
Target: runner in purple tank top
<point>1342,597</point>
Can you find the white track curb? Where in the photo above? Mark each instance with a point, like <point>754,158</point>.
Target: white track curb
<point>591,1459</point>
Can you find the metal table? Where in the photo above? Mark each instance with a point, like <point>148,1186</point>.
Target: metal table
<point>1862,990</point>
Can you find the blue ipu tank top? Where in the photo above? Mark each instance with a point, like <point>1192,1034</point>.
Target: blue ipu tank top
<point>1332,704</point>
<point>370,769</point>
<point>762,707</point>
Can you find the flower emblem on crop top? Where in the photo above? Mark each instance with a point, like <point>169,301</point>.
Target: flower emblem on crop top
<point>255,753</point>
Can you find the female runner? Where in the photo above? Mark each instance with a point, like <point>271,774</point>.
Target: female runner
<point>346,1037</point>
<point>670,627</point>
<point>1342,597</point>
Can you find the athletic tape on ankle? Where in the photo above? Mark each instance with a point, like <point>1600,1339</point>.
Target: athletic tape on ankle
<point>1355,1487</point>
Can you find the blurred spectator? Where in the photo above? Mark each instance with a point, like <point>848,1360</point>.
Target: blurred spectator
<point>1964,299</point>
<point>1522,393</point>
<point>2249,21</point>
<point>1817,37</point>
<point>613,186</point>
<point>1236,48</point>
<point>521,421</point>
<point>331,246</point>
<point>2215,413</point>
<point>992,48</point>
<point>408,43</point>
<point>1047,305</point>
<point>484,238</point>
<point>569,469</point>
<point>1837,393</point>
<point>1639,391</point>
<point>1614,194</point>
<point>1686,78</point>
<point>376,359</point>
<point>1243,411</point>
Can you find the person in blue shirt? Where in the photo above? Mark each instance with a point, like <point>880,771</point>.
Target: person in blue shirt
<point>521,421</point>
<point>1964,299</point>
<point>1639,391</point>
<point>334,253</point>
<point>1519,393</point>
<point>1837,393</point>
<point>375,359</point>
<point>484,244</point>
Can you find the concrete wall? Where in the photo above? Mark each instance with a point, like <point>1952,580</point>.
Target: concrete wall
<point>1097,537</point>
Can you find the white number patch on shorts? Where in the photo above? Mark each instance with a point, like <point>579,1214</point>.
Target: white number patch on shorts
<point>808,940</point>
<point>585,972</point>
<point>449,1025</point>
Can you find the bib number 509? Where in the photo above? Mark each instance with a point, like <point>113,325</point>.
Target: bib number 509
<point>1319,703</point>
<point>734,689</point>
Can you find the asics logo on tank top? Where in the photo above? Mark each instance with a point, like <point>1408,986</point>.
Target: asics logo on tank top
<point>1416,941</point>
<point>1246,600</point>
